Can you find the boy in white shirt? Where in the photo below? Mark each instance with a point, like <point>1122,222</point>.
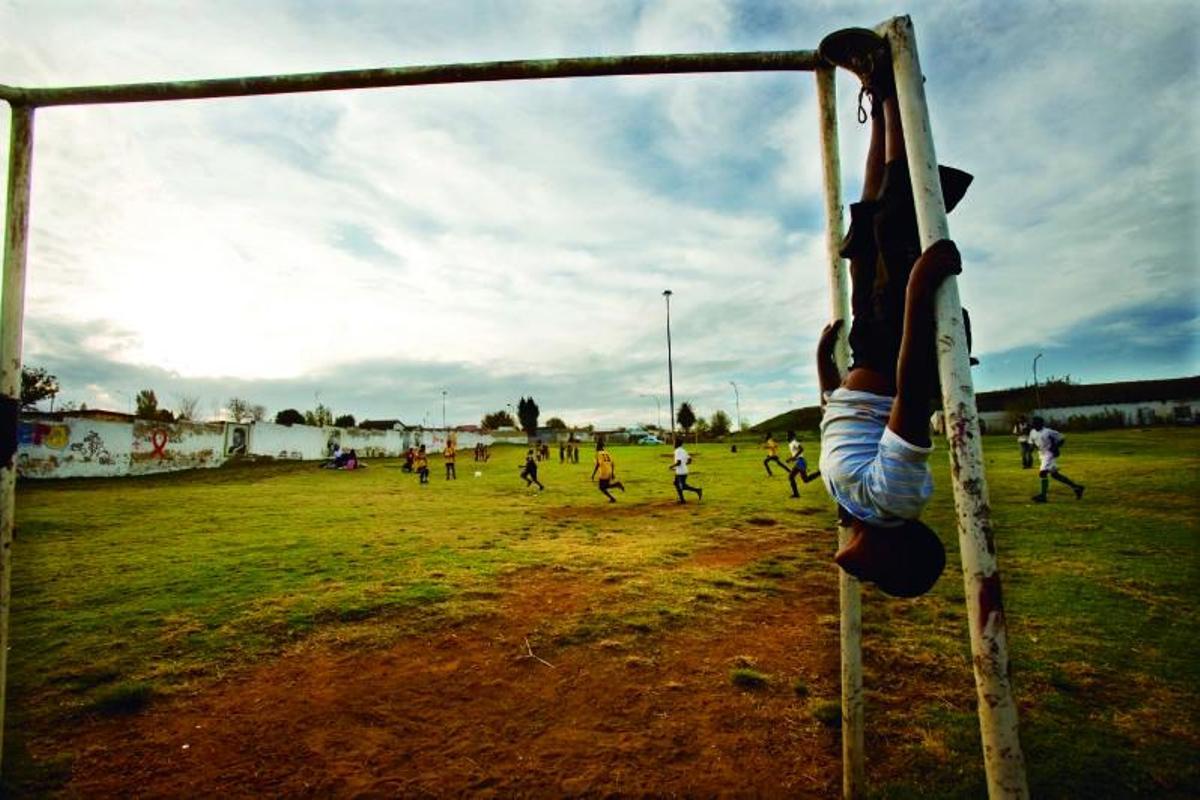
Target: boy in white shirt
<point>799,465</point>
<point>875,441</point>
<point>682,459</point>
<point>1047,442</point>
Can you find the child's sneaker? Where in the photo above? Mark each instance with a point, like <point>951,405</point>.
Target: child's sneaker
<point>1039,498</point>
<point>1078,492</point>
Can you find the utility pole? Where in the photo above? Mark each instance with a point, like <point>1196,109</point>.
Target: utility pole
<point>737,405</point>
<point>670,373</point>
<point>1037,393</point>
<point>444,410</point>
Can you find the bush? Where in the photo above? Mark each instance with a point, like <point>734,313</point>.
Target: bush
<point>747,678</point>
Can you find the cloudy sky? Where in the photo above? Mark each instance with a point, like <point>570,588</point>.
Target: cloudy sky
<point>371,249</point>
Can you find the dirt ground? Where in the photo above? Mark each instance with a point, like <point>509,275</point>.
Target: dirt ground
<point>466,710</point>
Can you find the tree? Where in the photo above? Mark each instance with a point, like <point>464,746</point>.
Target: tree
<point>719,425</point>
<point>147,404</point>
<point>320,416</point>
<point>497,419</point>
<point>702,426</point>
<point>686,417</point>
<point>344,421</point>
<point>187,405</point>
<point>289,416</point>
<point>527,412</point>
<point>556,423</point>
<point>36,385</point>
<point>244,411</point>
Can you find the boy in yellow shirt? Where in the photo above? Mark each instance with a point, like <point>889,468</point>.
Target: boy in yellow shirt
<point>448,454</point>
<point>607,472</point>
<point>421,464</point>
<point>772,448</point>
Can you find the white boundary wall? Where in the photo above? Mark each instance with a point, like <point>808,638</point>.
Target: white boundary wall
<point>80,447</point>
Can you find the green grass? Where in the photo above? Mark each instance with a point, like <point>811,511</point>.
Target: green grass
<point>126,590</point>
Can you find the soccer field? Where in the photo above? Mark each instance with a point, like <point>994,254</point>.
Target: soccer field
<point>278,629</point>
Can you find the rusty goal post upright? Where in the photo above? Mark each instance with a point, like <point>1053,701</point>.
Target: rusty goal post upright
<point>1002,756</point>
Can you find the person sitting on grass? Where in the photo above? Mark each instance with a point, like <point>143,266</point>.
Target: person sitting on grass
<point>607,471</point>
<point>529,470</point>
<point>421,464</point>
<point>682,459</point>
<point>1048,443</point>
<point>410,455</point>
<point>875,441</point>
<point>799,465</point>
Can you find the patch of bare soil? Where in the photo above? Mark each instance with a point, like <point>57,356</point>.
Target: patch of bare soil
<point>468,711</point>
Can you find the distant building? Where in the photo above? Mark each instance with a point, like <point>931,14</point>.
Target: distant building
<point>382,425</point>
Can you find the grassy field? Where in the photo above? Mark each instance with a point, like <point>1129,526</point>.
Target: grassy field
<point>130,592</point>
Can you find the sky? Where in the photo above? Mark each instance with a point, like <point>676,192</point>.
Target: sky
<point>374,249</point>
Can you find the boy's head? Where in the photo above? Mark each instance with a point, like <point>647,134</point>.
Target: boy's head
<point>1037,423</point>
<point>904,561</point>
<point>678,442</point>
<point>791,436</point>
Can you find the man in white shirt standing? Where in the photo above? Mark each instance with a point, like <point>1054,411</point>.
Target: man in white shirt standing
<point>682,459</point>
<point>1048,441</point>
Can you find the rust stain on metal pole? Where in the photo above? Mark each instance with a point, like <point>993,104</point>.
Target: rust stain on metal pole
<point>12,315</point>
<point>785,60</point>
<point>1002,757</point>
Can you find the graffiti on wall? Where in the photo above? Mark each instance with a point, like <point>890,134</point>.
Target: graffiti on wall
<point>92,449</point>
<point>54,437</point>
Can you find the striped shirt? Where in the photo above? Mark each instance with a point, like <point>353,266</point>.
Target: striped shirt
<point>868,469</point>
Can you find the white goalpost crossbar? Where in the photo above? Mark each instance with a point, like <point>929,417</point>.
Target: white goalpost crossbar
<point>997,711</point>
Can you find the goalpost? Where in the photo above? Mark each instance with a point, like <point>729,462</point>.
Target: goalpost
<point>1003,760</point>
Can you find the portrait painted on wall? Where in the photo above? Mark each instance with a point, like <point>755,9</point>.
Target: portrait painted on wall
<point>237,439</point>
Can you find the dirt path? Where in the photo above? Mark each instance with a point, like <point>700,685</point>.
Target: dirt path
<point>461,711</point>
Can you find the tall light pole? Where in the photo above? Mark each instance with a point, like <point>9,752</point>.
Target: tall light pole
<point>670,373</point>
<point>658,403</point>
<point>444,410</point>
<point>1037,393</point>
<point>737,405</point>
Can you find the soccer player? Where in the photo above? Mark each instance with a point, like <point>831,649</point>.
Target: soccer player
<point>875,441</point>
<point>607,472</point>
<point>529,471</point>
<point>1048,442</point>
<point>682,459</point>
<point>449,453</point>
<point>421,464</point>
<point>772,448</point>
<point>799,465</point>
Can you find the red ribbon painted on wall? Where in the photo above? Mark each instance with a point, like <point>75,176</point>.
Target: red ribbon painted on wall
<point>159,440</point>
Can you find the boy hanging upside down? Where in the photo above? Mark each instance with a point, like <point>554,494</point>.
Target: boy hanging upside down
<point>875,441</point>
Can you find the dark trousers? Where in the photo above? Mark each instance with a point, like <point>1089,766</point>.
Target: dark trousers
<point>1026,455</point>
<point>681,486</point>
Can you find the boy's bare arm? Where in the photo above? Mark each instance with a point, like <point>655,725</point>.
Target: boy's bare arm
<point>916,367</point>
<point>827,371</point>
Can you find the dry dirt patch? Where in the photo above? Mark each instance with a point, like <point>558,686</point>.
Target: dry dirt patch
<point>461,711</point>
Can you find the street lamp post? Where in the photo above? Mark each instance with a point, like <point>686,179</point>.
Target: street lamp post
<point>670,372</point>
<point>444,410</point>
<point>1037,393</point>
<point>658,404</point>
<point>737,405</point>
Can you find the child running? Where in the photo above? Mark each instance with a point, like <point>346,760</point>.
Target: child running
<point>421,464</point>
<point>1048,442</point>
<point>682,459</point>
<point>875,441</point>
<point>772,448</point>
<point>529,471</point>
<point>799,465</point>
<point>607,471</point>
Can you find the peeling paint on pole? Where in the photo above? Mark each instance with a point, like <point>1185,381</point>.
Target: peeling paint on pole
<point>849,589</point>
<point>786,60</point>
<point>12,315</point>
<point>1003,761</point>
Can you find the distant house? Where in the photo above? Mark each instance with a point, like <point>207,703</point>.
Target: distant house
<point>382,425</point>
<point>1174,400</point>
